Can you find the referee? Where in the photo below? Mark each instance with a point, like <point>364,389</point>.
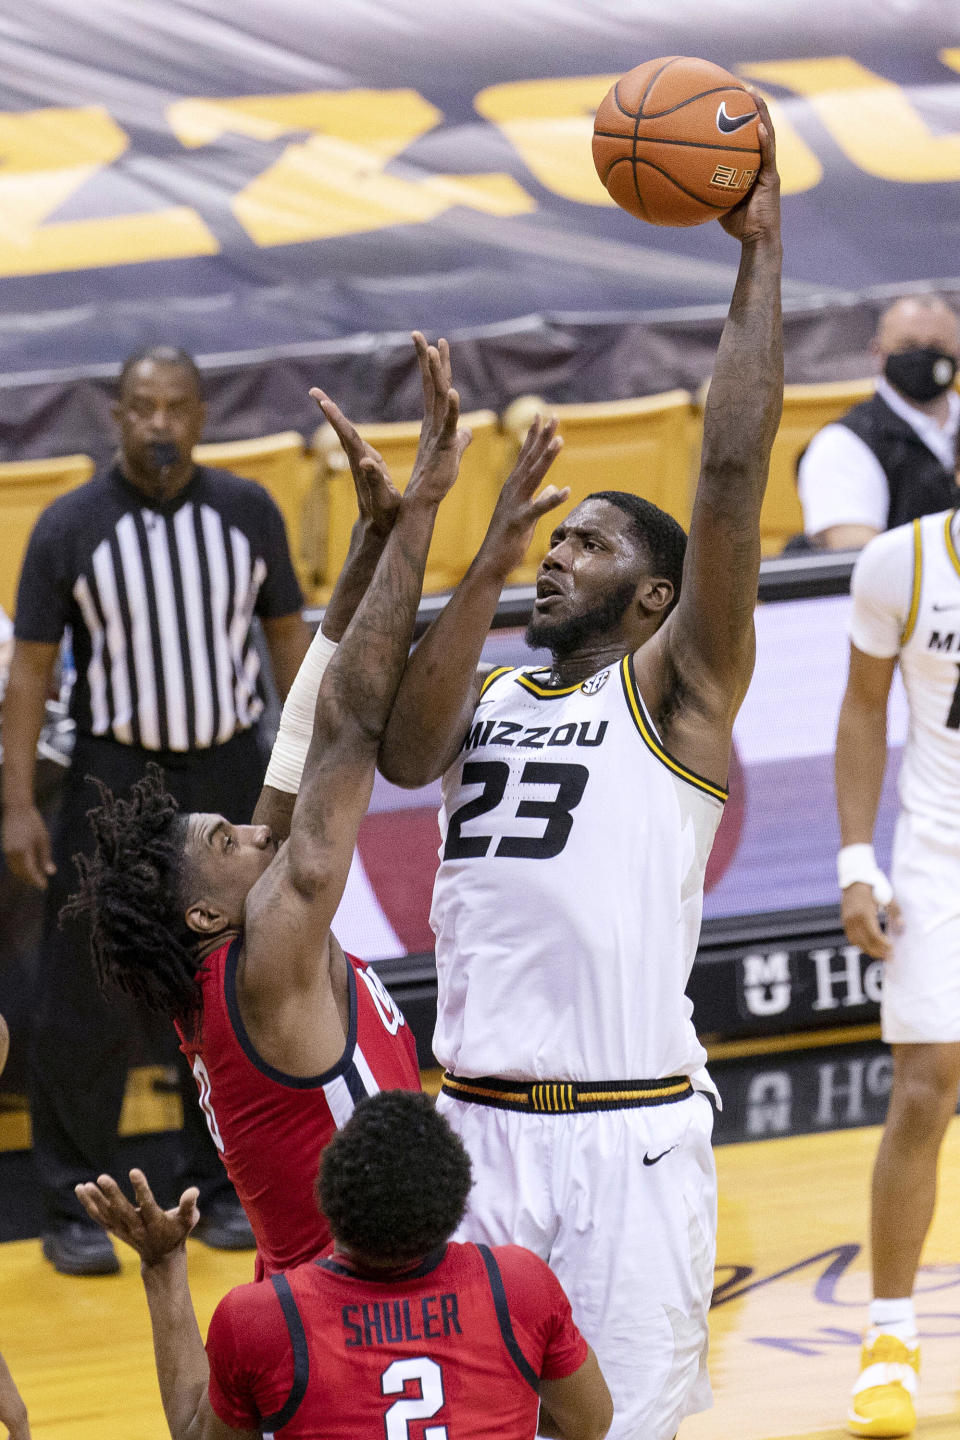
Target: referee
<point>156,567</point>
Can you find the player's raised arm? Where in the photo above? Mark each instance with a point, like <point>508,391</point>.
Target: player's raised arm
<point>710,635</point>
<point>439,690</point>
<point>378,503</point>
<point>159,1238</point>
<point>290,908</point>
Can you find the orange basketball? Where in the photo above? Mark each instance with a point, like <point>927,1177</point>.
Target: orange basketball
<point>675,141</point>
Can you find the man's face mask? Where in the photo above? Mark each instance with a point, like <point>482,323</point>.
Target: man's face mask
<point>920,374</point>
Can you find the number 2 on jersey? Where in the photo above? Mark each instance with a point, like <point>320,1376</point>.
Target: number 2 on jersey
<point>570,780</point>
<point>416,1407</point>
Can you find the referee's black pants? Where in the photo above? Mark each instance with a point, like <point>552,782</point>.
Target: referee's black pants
<point>81,1037</point>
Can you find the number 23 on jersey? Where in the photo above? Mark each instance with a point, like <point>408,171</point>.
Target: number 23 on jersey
<point>568,783</point>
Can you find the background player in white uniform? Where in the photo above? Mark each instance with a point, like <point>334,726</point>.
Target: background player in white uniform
<point>906,607</point>
<point>577,819</point>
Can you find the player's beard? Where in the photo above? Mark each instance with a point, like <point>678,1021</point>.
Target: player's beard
<point>564,637</point>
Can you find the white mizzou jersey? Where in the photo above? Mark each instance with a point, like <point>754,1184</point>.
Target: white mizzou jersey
<point>568,901</point>
<point>906,602</point>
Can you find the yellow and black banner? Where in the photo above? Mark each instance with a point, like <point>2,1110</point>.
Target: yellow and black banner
<point>304,183</point>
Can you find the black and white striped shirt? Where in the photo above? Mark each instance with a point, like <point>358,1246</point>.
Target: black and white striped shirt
<point>159,601</point>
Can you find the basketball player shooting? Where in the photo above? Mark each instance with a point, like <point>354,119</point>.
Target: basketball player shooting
<point>226,929</point>
<point>580,803</point>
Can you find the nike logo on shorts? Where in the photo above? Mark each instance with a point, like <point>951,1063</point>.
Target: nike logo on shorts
<point>652,1159</point>
<point>728,124</point>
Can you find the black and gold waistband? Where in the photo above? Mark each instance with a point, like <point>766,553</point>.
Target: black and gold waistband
<point>565,1097</point>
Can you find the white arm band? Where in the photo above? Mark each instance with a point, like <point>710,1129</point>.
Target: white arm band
<point>296,722</point>
<point>857,865</point>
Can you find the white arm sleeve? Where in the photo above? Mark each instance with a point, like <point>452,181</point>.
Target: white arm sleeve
<point>881,586</point>
<point>290,748</point>
<point>841,482</point>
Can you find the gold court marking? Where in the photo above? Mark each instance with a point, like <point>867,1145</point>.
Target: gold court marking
<point>777,1044</point>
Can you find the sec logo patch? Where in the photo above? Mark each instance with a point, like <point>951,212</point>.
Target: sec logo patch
<point>595,683</point>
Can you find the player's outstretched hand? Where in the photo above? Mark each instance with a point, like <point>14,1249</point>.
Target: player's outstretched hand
<point>861,921</point>
<point>378,500</point>
<point>758,213</point>
<point>442,438</point>
<point>152,1232</point>
<point>518,506</point>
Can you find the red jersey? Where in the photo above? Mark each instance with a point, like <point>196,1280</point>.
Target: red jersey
<point>457,1346</point>
<point>271,1127</point>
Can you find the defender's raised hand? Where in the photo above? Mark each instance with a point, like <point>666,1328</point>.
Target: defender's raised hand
<point>378,500</point>
<point>519,507</point>
<point>152,1232</point>
<point>758,213</point>
<point>442,439</point>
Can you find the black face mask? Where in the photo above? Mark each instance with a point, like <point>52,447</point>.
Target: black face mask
<point>921,374</point>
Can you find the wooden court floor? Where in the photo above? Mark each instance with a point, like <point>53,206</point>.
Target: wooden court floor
<point>792,1285</point>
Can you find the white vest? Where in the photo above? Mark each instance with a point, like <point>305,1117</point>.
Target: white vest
<point>568,901</point>
<point>930,664</point>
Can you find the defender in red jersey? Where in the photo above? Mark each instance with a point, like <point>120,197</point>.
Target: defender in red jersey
<point>227,929</point>
<point>397,1333</point>
<point>269,1126</point>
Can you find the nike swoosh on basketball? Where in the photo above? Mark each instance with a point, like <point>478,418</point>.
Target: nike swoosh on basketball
<point>727,124</point>
<point>652,1159</point>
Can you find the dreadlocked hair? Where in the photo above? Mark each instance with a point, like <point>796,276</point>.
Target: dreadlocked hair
<point>131,896</point>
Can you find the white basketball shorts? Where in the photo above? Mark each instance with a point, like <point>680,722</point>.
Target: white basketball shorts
<point>920,1001</point>
<point>622,1204</point>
